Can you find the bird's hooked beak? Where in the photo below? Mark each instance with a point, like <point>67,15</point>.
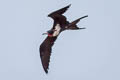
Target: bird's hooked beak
<point>45,33</point>
<point>48,32</point>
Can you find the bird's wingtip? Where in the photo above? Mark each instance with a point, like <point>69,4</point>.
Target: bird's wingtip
<point>69,5</point>
<point>86,15</point>
<point>46,71</point>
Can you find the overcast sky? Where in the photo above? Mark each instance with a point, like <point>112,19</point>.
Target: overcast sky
<point>90,54</point>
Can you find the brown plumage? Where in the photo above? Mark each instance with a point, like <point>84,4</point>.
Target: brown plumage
<point>60,24</point>
<point>45,51</point>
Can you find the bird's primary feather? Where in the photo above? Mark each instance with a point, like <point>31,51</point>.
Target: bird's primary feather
<point>45,51</point>
<point>58,16</point>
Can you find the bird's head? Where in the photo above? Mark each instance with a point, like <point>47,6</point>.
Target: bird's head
<point>49,33</point>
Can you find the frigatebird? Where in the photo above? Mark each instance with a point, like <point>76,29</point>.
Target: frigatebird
<point>60,24</point>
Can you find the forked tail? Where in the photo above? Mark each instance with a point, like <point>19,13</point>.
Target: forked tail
<point>73,26</point>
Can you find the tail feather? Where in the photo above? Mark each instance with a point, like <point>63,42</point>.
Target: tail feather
<point>73,25</point>
<point>83,17</point>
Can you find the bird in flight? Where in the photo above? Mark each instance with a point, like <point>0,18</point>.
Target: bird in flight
<point>60,24</point>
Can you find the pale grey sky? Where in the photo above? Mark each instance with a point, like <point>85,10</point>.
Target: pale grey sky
<point>90,54</point>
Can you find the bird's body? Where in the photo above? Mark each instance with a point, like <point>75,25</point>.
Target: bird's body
<point>57,30</point>
<point>60,24</point>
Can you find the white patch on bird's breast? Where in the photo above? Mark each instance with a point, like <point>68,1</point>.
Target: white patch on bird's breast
<point>57,30</point>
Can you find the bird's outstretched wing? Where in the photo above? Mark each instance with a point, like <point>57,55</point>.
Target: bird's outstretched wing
<point>45,51</point>
<point>60,11</point>
<point>58,16</point>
